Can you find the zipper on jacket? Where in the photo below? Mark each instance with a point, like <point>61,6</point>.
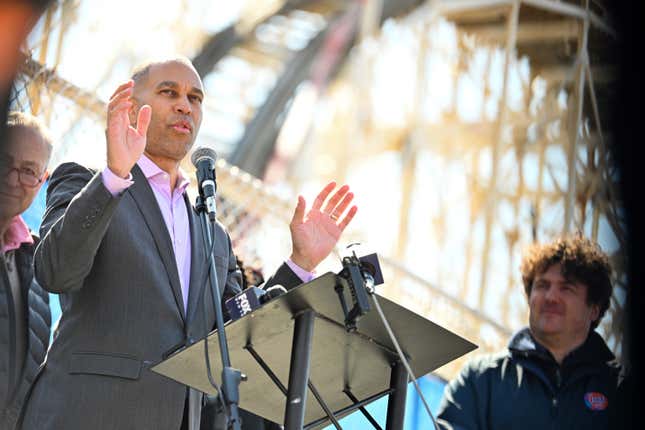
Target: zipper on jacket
<point>558,378</point>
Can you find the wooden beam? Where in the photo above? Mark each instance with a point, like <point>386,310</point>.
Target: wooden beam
<point>533,32</point>
<point>491,206</point>
<point>574,131</point>
<point>479,9</point>
<point>574,11</point>
<point>59,86</point>
<point>556,75</point>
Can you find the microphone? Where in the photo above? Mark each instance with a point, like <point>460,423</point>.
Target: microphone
<point>203,159</point>
<point>251,299</point>
<point>272,292</point>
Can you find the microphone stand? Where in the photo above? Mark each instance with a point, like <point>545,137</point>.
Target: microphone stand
<point>231,378</point>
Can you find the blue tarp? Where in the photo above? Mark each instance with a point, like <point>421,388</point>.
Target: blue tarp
<point>416,417</point>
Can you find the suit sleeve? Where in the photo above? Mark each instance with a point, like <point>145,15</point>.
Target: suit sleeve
<point>78,213</point>
<point>234,275</point>
<point>463,402</point>
<point>283,276</point>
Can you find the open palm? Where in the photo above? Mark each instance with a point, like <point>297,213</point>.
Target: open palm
<point>314,234</point>
<point>125,143</point>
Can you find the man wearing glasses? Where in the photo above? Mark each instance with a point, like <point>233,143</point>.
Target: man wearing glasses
<point>24,306</point>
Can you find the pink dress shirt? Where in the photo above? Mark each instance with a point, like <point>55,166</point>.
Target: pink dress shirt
<point>173,209</point>
<point>16,235</point>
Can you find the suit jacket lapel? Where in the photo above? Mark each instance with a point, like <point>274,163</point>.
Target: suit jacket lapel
<point>198,263</point>
<point>147,203</point>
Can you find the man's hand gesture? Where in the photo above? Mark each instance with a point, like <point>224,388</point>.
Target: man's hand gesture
<point>314,234</point>
<point>125,144</point>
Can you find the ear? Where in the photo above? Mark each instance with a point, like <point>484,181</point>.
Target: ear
<point>595,312</point>
<point>37,188</point>
<point>45,177</point>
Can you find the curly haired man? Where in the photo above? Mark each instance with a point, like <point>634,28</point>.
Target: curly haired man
<point>557,372</point>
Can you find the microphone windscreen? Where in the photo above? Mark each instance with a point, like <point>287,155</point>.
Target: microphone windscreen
<point>371,265</point>
<point>203,152</point>
<point>274,291</point>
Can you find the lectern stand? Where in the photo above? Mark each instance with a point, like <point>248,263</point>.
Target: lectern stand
<point>300,339</point>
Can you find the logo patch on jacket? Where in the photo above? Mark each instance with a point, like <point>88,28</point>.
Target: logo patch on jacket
<point>596,401</point>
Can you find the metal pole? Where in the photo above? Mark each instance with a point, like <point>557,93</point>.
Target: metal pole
<point>396,402</point>
<point>491,203</point>
<point>299,371</point>
<point>348,409</point>
<point>231,378</point>
<point>366,414</point>
<point>324,406</point>
<point>574,136</point>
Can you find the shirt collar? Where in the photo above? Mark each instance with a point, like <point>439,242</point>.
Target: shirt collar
<point>151,170</point>
<point>17,234</point>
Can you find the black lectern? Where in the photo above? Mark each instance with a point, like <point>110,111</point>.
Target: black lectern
<point>303,366</point>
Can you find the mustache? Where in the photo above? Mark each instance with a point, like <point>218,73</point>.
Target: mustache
<point>551,307</point>
<point>181,118</point>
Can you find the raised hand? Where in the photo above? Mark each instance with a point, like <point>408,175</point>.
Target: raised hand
<point>314,234</point>
<point>125,144</point>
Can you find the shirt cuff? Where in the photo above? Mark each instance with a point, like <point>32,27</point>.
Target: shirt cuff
<point>115,184</point>
<point>300,272</point>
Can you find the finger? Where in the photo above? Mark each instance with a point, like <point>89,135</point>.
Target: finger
<point>120,94</point>
<point>348,218</point>
<point>338,210</point>
<point>333,201</point>
<point>299,212</point>
<point>123,95</point>
<point>123,86</point>
<point>124,105</point>
<point>322,196</point>
<point>143,119</point>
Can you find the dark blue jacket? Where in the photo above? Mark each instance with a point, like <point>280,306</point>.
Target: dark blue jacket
<point>525,388</point>
<point>38,320</point>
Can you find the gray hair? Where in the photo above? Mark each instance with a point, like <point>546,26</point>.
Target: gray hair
<point>17,119</point>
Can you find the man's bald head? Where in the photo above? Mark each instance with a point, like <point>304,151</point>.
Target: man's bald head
<point>141,72</point>
<point>174,91</point>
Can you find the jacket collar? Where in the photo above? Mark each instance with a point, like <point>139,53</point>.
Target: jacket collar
<point>593,350</point>
<point>154,173</point>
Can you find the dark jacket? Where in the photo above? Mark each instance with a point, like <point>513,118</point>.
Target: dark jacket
<point>38,320</point>
<point>525,388</point>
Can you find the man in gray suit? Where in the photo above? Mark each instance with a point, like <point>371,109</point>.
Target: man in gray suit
<point>124,250</point>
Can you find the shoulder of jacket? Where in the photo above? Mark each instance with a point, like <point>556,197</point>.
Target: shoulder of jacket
<point>71,169</point>
<point>221,228</point>
<point>487,363</point>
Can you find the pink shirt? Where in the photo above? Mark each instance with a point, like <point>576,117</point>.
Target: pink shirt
<point>16,235</point>
<point>173,209</point>
<point>175,215</point>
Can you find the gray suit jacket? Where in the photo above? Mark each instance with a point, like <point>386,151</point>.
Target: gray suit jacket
<point>112,261</point>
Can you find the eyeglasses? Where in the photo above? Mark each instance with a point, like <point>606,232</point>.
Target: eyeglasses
<point>27,177</point>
